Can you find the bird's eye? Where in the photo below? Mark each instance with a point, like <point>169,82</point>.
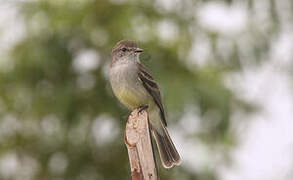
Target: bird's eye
<point>123,49</point>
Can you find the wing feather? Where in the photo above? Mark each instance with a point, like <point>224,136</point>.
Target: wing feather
<point>152,88</point>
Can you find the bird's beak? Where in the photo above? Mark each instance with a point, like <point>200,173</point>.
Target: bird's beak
<point>138,50</point>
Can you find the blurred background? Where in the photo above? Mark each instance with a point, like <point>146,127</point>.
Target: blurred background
<point>224,67</point>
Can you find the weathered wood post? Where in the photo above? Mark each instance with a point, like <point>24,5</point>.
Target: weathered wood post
<point>139,146</point>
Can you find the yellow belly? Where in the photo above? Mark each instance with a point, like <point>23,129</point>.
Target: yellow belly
<point>131,98</point>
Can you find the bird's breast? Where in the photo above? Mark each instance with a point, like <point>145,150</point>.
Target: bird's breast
<point>127,87</point>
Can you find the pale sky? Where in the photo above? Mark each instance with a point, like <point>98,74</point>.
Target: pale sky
<point>265,152</point>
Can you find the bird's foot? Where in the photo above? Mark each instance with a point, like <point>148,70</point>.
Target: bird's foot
<point>141,108</point>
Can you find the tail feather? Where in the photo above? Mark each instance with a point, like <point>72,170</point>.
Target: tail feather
<point>168,153</point>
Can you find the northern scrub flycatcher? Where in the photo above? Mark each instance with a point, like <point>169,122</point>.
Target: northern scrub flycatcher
<point>135,87</point>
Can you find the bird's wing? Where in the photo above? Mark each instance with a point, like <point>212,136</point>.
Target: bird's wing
<point>152,88</point>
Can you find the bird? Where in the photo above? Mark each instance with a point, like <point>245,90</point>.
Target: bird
<point>135,87</point>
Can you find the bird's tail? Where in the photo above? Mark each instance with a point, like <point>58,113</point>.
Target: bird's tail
<point>168,153</point>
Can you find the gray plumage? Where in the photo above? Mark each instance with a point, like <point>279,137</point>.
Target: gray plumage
<point>134,86</point>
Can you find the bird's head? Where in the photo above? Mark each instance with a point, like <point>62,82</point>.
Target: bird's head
<point>126,50</point>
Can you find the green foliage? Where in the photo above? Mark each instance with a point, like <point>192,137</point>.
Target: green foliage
<point>54,109</point>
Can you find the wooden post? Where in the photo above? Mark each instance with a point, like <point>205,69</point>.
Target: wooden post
<point>138,142</point>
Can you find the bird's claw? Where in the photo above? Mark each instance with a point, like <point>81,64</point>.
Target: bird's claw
<point>141,108</point>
